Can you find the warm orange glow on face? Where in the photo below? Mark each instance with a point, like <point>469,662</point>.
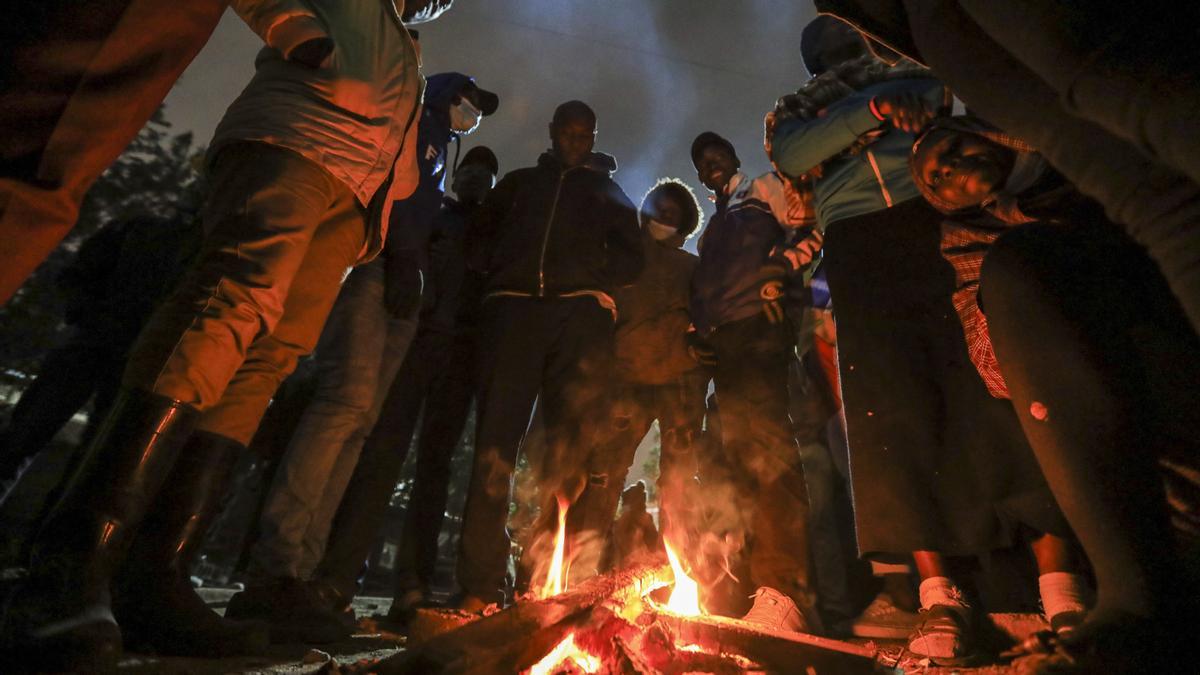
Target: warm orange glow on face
<point>566,652</point>
<point>557,574</point>
<point>685,598</point>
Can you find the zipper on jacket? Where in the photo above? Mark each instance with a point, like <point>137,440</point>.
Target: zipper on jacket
<point>546,237</point>
<point>887,196</point>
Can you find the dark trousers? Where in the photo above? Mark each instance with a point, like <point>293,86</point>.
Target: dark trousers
<point>70,375</point>
<point>751,380</point>
<point>558,349</point>
<point>935,462</point>
<point>78,80</point>
<point>679,408</point>
<point>438,376</point>
<point>1103,369</point>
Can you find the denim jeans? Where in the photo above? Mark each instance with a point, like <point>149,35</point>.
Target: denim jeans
<point>439,376</point>
<point>358,356</point>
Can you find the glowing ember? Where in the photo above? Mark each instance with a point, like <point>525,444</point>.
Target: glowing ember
<point>566,653</point>
<point>685,598</point>
<point>557,573</point>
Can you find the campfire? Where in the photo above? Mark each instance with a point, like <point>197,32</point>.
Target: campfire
<point>645,619</point>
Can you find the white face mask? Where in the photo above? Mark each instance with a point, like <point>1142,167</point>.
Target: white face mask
<point>464,117</point>
<point>661,231</point>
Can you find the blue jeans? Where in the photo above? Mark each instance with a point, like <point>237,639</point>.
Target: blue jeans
<point>358,356</point>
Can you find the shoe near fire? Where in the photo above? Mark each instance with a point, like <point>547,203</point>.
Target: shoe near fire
<point>883,620</point>
<point>943,636</point>
<point>776,611</point>
<point>294,611</point>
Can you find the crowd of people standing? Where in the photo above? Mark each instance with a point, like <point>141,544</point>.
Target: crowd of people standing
<point>930,332</point>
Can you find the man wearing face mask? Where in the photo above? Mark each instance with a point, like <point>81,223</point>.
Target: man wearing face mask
<point>358,356</point>
<point>656,378</point>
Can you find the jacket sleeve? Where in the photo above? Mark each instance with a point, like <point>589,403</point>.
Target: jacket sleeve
<point>282,24</point>
<point>484,224</point>
<point>798,145</point>
<point>625,255</point>
<point>421,11</point>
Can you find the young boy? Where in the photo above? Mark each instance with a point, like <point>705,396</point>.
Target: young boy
<point>735,306</point>
<point>655,377</point>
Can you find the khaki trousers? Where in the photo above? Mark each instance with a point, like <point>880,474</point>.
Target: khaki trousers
<point>281,235</point>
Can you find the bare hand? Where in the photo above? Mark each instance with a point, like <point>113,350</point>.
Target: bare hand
<point>906,110</point>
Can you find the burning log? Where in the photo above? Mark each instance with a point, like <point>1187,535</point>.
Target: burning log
<point>516,638</point>
<point>781,649</point>
<point>610,624</point>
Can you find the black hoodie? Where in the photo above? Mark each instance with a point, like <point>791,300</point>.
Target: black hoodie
<point>544,231</point>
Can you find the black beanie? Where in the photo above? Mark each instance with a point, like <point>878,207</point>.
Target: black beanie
<point>710,138</point>
<point>481,154</point>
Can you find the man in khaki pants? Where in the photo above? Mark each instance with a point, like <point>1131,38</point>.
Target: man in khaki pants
<point>304,167</point>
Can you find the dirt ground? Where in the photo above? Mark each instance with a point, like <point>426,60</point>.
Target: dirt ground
<point>375,643</point>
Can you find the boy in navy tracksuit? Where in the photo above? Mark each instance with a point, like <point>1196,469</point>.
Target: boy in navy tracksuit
<point>736,307</point>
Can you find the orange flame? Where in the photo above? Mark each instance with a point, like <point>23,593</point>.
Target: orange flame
<point>566,652</point>
<point>557,574</point>
<point>685,598</point>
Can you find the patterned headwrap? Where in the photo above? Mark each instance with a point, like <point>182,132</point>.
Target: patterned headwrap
<point>1029,166</point>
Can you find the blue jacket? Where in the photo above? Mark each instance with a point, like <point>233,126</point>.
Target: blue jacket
<point>412,219</point>
<point>737,242</point>
<point>850,185</point>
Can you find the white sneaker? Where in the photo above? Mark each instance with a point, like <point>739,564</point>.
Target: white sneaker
<point>882,619</point>
<point>775,610</point>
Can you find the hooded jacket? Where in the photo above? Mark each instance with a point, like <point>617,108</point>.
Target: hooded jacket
<point>550,231</point>
<point>411,219</point>
<point>356,114</point>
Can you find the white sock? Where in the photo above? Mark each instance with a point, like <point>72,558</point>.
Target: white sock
<point>1062,592</point>
<point>942,591</point>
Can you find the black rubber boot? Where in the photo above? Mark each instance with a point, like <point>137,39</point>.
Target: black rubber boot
<point>157,607</point>
<point>60,619</point>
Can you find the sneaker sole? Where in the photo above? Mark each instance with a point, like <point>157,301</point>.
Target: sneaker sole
<point>882,632</point>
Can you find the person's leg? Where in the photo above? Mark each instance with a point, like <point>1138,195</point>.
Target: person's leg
<point>1088,407</point>
<point>347,360</point>
<point>1158,207</point>
<point>576,386</point>
<point>751,381</point>
<point>680,411</point>
<point>591,517</point>
<point>65,382</point>
<point>1130,72</point>
<point>265,206</point>
<point>400,335</point>
<point>79,81</point>
<point>450,396</point>
<point>515,332</point>
<point>364,503</point>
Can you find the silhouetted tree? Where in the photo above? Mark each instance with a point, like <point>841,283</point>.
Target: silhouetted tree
<point>156,171</point>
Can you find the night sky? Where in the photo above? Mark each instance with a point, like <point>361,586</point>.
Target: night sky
<point>657,73</point>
